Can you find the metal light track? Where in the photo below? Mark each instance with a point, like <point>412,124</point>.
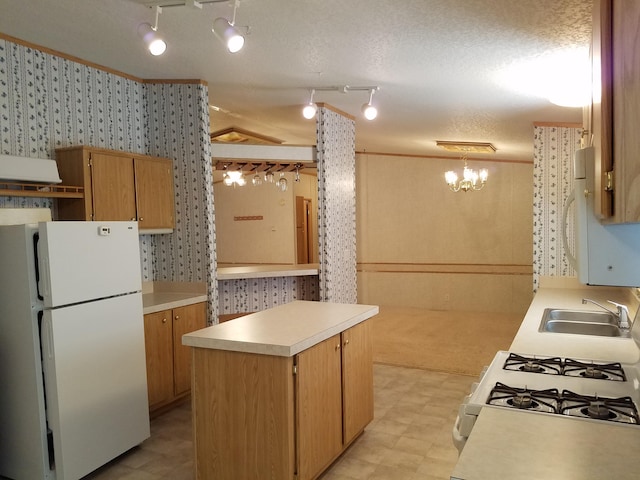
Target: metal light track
<point>177,3</point>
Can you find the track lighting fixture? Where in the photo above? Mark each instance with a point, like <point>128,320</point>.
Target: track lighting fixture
<point>309,111</point>
<point>149,33</point>
<point>226,31</point>
<point>370,112</point>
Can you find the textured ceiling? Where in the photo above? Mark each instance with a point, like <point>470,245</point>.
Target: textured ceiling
<point>447,69</point>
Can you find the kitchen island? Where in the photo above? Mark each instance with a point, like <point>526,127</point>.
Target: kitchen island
<point>511,443</point>
<point>281,393</point>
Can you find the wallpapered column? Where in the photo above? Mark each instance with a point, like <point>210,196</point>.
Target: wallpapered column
<point>554,149</point>
<point>336,206</point>
<point>178,128</point>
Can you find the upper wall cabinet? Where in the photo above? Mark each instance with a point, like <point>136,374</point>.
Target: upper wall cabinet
<point>118,186</point>
<point>614,118</point>
<point>626,110</point>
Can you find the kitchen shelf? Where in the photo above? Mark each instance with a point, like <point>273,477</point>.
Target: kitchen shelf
<point>10,189</point>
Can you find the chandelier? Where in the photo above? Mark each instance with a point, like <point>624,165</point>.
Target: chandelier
<point>471,179</point>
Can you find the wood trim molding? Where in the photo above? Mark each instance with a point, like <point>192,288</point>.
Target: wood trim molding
<point>443,157</point>
<point>81,61</point>
<point>336,110</point>
<point>558,124</point>
<point>447,268</point>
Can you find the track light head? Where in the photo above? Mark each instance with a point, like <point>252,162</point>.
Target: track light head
<point>228,34</point>
<point>370,112</point>
<point>152,40</point>
<point>149,33</point>
<point>309,110</point>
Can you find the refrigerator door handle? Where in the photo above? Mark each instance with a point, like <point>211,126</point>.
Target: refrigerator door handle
<point>36,239</point>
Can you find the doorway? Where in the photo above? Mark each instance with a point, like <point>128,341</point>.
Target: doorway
<point>304,239</point>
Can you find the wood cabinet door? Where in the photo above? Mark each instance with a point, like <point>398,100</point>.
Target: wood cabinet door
<point>185,320</point>
<point>318,407</point>
<point>154,192</point>
<point>112,187</point>
<point>158,341</point>
<point>626,117</point>
<point>357,379</point>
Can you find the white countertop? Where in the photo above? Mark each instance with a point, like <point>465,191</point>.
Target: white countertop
<point>158,296</point>
<point>282,331</point>
<point>267,271</point>
<point>529,341</point>
<point>508,444</point>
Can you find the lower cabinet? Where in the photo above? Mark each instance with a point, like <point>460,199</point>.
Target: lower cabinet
<point>168,361</point>
<point>267,417</point>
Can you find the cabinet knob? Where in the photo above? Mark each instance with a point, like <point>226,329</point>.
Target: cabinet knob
<point>164,320</point>
<point>338,347</point>
<point>133,219</point>
<point>141,219</point>
<point>177,317</point>
<point>346,342</point>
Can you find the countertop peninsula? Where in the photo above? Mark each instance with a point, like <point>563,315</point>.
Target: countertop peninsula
<point>285,330</point>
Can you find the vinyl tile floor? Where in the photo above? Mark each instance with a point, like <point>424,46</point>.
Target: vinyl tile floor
<point>409,438</point>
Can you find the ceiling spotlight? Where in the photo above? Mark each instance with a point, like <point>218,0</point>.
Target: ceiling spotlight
<point>309,110</point>
<point>226,31</point>
<point>370,112</point>
<point>149,34</point>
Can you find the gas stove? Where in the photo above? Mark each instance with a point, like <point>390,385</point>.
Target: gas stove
<point>585,389</point>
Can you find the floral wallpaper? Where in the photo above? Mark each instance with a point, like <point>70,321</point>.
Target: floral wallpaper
<point>48,101</point>
<point>554,149</point>
<point>177,120</point>
<point>336,206</point>
<point>255,294</point>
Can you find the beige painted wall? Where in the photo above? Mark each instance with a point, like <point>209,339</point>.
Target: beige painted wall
<point>267,241</point>
<point>421,245</point>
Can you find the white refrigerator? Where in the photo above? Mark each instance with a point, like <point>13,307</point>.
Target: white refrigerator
<point>73,390</point>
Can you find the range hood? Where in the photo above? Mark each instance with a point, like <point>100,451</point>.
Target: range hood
<point>27,169</point>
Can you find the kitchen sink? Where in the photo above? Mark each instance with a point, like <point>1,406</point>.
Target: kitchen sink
<point>581,322</point>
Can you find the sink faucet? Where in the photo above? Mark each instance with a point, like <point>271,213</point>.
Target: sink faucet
<point>622,313</point>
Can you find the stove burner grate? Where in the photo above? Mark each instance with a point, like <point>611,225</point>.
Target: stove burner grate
<point>567,367</point>
<point>550,366</point>
<point>621,409</point>
<point>525,399</point>
<point>604,371</point>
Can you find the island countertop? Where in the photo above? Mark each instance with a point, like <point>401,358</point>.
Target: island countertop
<point>285,330</point>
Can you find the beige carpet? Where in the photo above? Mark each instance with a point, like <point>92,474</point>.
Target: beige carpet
<point>452,342</point>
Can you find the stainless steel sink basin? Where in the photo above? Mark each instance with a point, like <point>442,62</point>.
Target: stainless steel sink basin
<point>581,322</point>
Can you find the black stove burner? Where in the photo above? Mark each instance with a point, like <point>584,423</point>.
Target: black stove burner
<point>598,410</point>
<point>550,366</point>
<point>567,367</point>
<point>614,409</point>
<point>522,400</point>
